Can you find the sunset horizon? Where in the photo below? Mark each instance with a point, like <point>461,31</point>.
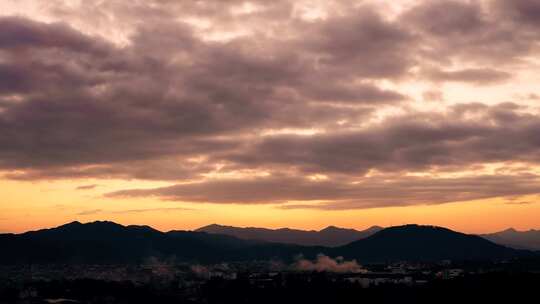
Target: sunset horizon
<point>297,114</point>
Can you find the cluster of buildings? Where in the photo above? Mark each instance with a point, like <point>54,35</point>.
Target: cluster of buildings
<point>189,279</point>
<point>396,273</point>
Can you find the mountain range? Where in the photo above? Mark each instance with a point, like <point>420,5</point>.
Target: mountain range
<point>516,239</point>
<point>108,242</point>
<point>424,243</point>
<point>330,236</point>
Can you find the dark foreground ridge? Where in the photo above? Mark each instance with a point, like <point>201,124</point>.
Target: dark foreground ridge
<point>108,242</point>
<point>425,243</point>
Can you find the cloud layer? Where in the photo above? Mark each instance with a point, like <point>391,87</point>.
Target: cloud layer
<point>273,102</point>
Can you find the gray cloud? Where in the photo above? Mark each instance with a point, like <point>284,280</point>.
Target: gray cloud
<point>20,33</point>
<point>173,104</point>
<point>471,32</point>
<point>361,44</point>
<point>518,203</point>
<point>132,211</point>
<point>335,194</point>
<point>477,76</point>
<point>526,12</point>
<point>415,141</point>
<point>133,100</point>
<point>86,187</point>
<point>90,212</point>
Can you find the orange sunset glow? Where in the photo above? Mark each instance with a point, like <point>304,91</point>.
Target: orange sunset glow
<point>299,114</point>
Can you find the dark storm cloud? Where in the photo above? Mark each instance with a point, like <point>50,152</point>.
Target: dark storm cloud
<point>525,12</point>
<point>169,93</point>
<point>20,33</point>
<point>34,56</point>
<point>173,104</point>
<point>353,94</point>
<point>468,134</point>
<point>497,32</point>
<point>252,190</point>
<point>361,44</point>
<point>156,169</point>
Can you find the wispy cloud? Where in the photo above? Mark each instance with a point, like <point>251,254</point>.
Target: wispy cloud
<point>519,203</point>
<point>86,187</point>
<point>90,212</point>
<point>133,211</point>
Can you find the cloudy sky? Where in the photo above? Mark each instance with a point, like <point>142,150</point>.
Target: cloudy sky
<point>276,113</point>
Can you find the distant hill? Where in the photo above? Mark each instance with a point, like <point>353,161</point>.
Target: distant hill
<point>424,243</point>
<point>111,243</point>
<point>330,236</point>
<point>108,242</point>
<point>516,239</point>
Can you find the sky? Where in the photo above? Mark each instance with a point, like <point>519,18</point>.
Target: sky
<point>302,114</point>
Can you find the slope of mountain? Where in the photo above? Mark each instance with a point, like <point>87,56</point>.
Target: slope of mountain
<point>516,239</point>
<point>330,236</point>
<point>107,242</point>
<point>424,243</point>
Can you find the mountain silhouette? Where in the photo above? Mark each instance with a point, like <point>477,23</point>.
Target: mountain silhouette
<point>330,236</point>
<point>108,242</point>
<point>516,239</point>
<point>425,243</point>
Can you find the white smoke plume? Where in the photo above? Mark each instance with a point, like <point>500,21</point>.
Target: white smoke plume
<point>325,263</point>
<point>200,271</point>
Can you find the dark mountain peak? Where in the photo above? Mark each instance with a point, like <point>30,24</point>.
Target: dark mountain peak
<point>330,236</point>
<point>143,228</point>
<point>104,223</point>
<point>374,228</point>
<point>527,239</point>
<point>282,229</point>
<point>338,230</point>
<point>97,230</point>
<point>422,242</point>
<point>510,230</point>
<point>95,224</point>
<point>212,228</point>
<point>71,224</point>
<point>102,226</point>
<point>416,228</point>
<point>332,228</point>
<point>414,231</point>
<point>108,242</point>
<point>289,230</point>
